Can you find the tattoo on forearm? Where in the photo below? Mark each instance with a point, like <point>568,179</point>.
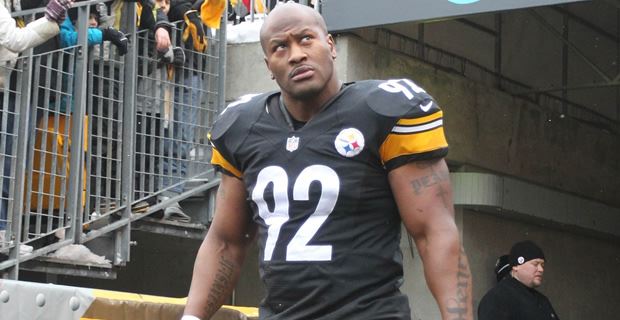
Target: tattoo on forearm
<point>221,283</point>
<point>458,307</point>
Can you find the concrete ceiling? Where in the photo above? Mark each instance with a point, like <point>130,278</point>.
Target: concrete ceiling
<point>564,55</point>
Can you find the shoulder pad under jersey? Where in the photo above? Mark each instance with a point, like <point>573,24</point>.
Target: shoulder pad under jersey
<point>232,112</point>
<point>398,98</point>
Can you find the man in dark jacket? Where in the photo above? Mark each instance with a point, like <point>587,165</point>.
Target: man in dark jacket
<point>515,296</point>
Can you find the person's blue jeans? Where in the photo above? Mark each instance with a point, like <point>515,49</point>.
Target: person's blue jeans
<point>179,137</point>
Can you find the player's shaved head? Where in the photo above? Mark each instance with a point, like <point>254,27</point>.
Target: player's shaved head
<point>287,14</point>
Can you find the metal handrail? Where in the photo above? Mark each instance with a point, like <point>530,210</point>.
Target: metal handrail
<point>80,156</point>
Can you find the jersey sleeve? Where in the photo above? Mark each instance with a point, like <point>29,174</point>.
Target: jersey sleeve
<point>224,138</point>
<point>417,132</point>
<point>220,163</point>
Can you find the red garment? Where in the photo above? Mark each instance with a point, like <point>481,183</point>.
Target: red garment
<point>247,4</point>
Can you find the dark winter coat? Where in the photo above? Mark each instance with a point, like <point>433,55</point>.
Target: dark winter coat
<point>511,300</point>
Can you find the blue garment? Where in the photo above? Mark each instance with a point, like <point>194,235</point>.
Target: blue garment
<point>69,35</point>
<point>68,38</point>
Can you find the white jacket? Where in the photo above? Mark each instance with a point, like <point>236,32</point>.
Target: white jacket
<point>14,40</point>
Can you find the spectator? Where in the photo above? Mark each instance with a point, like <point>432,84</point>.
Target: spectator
<point>156,42</point>
<point>69,34</point>
<point>180,122</point>
<point>57,123</point>
<point>14,40</point>
<point>515,297</point>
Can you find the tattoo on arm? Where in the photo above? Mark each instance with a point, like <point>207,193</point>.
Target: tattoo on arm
<point>458,306</point>
<point>422,183</point>
<point>433,179</point>
<point>221,283</point>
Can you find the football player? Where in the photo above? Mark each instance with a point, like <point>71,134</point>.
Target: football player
<point>323,174</point>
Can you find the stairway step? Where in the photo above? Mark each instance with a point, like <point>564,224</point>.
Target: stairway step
<point>171,228</point>
<point>69,267</point>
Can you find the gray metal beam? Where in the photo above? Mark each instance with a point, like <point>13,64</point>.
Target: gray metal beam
<point>343,15</point>
<point>614,83</point>
<point>605,33</point>
<point>572,46</point>
<point>123,234</point>
<point>513,198</point>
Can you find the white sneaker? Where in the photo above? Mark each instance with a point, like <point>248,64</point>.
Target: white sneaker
<point>174,212</point>
<point>25,249</point>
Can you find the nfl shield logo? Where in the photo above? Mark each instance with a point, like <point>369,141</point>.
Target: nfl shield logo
<point>292,143</point>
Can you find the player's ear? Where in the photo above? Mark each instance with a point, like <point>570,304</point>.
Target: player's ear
<point>332,45</point>
<point>267,64</point>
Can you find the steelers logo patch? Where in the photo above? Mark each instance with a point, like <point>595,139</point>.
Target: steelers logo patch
<point>349,142</point>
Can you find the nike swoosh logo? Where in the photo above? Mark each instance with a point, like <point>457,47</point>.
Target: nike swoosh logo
<point>426,107</point>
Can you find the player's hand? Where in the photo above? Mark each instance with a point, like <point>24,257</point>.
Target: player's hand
<point>194,27</point>
<point>117,38</point>
<point>56,10</point>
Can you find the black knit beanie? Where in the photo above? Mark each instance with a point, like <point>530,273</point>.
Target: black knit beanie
<point>525,251</point>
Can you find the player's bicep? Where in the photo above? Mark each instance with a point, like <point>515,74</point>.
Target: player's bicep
<point>423,194</point>
<point>232,220</point>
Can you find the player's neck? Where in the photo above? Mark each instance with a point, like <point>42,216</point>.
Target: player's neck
<point>304,109</point>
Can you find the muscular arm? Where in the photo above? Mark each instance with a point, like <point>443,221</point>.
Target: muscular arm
<point>221,254</point>
<point>424,196</point>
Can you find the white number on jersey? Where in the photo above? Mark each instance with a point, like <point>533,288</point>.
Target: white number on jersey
<point>404,86</point>
<point>298,248</point>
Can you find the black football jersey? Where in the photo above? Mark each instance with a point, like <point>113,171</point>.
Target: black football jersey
<point>329,228</point>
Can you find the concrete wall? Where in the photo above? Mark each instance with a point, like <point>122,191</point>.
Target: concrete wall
<point>580,271</point>
<point>160,265</point>
<point>491,130</point>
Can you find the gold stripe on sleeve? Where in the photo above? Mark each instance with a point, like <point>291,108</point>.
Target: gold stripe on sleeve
<point>396,145</point>
<point>416,121</point>
<point>218,160</point>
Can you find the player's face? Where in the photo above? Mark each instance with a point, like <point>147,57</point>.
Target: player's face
<point>299,54</point>
<point>530,273</point>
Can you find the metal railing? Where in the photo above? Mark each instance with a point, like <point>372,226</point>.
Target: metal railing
<point>91,141</point>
